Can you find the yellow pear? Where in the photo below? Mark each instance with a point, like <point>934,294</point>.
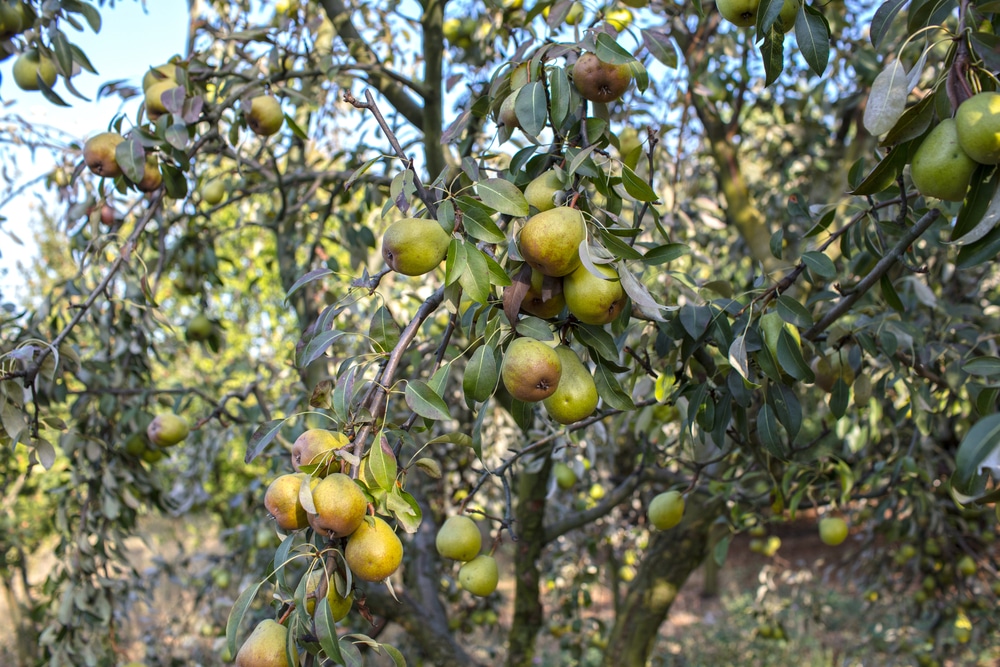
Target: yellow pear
<point>480,575</point>
<point>542,189</point>
<point>265,647</point>
<point>544,297</point>
<point>99,154</point>
<point>30,66</point>
<point>599,81</point>
<point>591,299</point>
<point>459,538</point>
<point>340,506</point>
<point>11,19</point>
<point>159,74</point>
<point>373,552</point>
<point>530,369</point>
<point>415,246</point>
<point>282,502</point>
<point>167,429</point>
<point>550,240</point>
<point>152,179</point>
<point>264,116</point>
<point>313,448</point>
<point>154,98</point>
<point>575,397</point>
<point>940,168</point>
<point>339,606</point>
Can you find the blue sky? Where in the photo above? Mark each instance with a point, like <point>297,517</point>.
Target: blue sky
<point>132,38</point>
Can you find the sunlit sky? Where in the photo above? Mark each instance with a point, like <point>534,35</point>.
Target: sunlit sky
<point>131,39</point>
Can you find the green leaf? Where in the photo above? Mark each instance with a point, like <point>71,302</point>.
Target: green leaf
<point>768,432</point>
<point>636,187</point>
<point>839,398</point>
<point>481,375</point>
<point>502,196</point>
<point>456,261</point>
<point>560,92</point>
<point>787,408</point>
<point>610,389</point>
<point>609,51</point>
<point>405,509</point>
<point>660,46</point>
<point>397,657</point>
<point>813,36</point>
<point>979,450</point>
<point>316,347</point>
<point>421,399</point>
<point>383,330</point>
<point>529,105</point>
<point>772,52</point>
<point>598,340</point>
<point>882,20</point>
<point>978,214</point>
<point>237,613</point>
<point>794,312</point>
<point>475,279</point>
<point>326,631</point>
<point>885,172</point>
<point>790,358</point>
<point>665,253</point>
<point>981,251</point>
<point>315,274</point>
<point>890,295</point>
<point>131,157</point>
<point>261,438</point>
<point>984,366</point>
<point>480,226</point>
<point>819,264</point>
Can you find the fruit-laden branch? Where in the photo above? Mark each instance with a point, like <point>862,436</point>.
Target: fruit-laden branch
<point>390,88</point>
<point>884,264</point>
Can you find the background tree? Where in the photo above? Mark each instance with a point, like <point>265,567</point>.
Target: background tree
<point>799,328</point>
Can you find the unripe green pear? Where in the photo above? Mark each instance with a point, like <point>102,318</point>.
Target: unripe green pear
<point>599,81</point>
<point>591,299</point>
<point>415,246</point>
<point>544,297</point>
<point>530,370</point>
<point>666,510</point>
<point>740,12</point>
<point>99,154</point>
<point>340,506</point>
<point>264,116</point>
<point>167,429</point>
<point>265,647</point>
<point>565,477</point>
<point>213,192</point>
<point>575,397</point>
<point>550,240</point>
<point>978,124</point>
<point>459,538</point>
<point>11,21</point>
<point>542,189</point>
<point>940,167</point>
<point>29,67</point>
<point>480,575</point>
<point>832,530</point>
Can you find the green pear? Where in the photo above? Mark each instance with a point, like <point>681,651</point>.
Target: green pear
<point>940,167</point>
<point>544,297</point>
<point>591,299</point>
<point>786,19</point>
<point>459,538</point>
<point>11,19</point>
<point>154,98</point>
<point>265,647</point>
<point>666,510</point>
<point>978,123</point>
<point>213,192</point>
<point>29,67</point>
<point>99,154</point>
<point>599,81</point>
<point>575,397</point>
<point>565,477</point>
<point>542,189</point>
<point>550,240</point>
<point>167,429</point>
<point>740,12</point>
<point>199,328</point>
<point>480,575</point>
<point>507,114</point>
<point>264,115</point>
<point>833,530</point>
<point>159,74</point>
<point>530,369</point>
<point>415,246</point>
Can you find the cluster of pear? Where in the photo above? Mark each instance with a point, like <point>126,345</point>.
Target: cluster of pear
<point>534,371</point>
<point>166,430</point>
<point>100,156</point>
<point>459,539</point>
<point>943,164</point>
<point>33,67</point>
<point>744,13</point>
<point>339,506</point>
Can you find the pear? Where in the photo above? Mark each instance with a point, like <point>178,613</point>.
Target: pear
<point>833,530</point>
<point>373,552</point>
<point>339,606</point>
<point>940,167</point>
<point>530,370</point>
<point>29,67</point>
<point>542,189</point>
<point>544,297</point>
<point>978,123</point>
<point>99,154</point>
<point>459,538</point>
<point>550,240</point>
<point>480,575</point>
<point>575,397</point>
<point>159,74</point>
<point>11,19</point>
<point>199,328</point>
<point>264,115</point>
<point>152,179</point>
<point>312,448</point>
<point>591,299</point>
<point>154,98</point>
<point>739,12</point>
<point>167,429</point>
<point>565,477</point>
<point>599,81</point>
<point>213,192</point>
<point>340,506</point>
<point>414,246</point>
<point>789,11</point>
<point>265,647</point>
<point>507,115</point>
<point>666,510</point>
<point>282,502</point>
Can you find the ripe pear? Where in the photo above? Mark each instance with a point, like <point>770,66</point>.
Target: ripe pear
<point>213,192</point>
<point>154,98</point>
<point>282,502</point>
<point>339,606</point>
<point>312,449</point>
<point>530,369</point>
<point>152,179</point>
<point>978,123</point>
<point>591,299</point>
<point>264,115</point>
<point>599,81</point>
<point>265,647</point>
<point>619,19</point>
<point>542,189</point>
<point>373,552</point>
<point>480,575</point>
<point>167,429</point>
<point>459,538</point>
<point>29,67</point>
<point>666,510</point>
<point>544,297</point>
<point>565,477</point>
<point>940,167</point>
<point>739,12</point>
<point>575,397</point>
<point>550,240</point>
<point>415,246</point>
<point>99,154</point>
<point>340,506</point>
<point>159,74</point>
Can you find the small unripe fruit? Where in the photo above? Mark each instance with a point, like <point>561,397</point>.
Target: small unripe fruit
<point>480,575</point>
<point>832,530</point>
<point>29,67</point>
<point>167,429</point>
<point>666,510</point>
<point>459,538</point>
<point>264,116</point>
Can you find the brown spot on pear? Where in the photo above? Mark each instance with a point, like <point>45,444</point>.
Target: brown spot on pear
<point>415,246</point>
<point>550,240</point>
<point>530,370</point>
<point>594,300</point>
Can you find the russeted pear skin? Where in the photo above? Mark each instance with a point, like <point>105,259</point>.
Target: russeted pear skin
<point>940,168</point>
<point>99,154</point>
<point>550,240</point>
<point>282,502</point>
<point>599,81</point>
<point>978,123</point>
<point>544,297</point>
<point>542,189</point>
<point>265,647</point>
<point>530,370</point>
<point>576,396</point>
<point>415,246</point>
<point>591,299</point>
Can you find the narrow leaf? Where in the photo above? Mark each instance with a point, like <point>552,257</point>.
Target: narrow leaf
<point>421,399</point>
<point>261,438</point>
<point>502,196</point>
